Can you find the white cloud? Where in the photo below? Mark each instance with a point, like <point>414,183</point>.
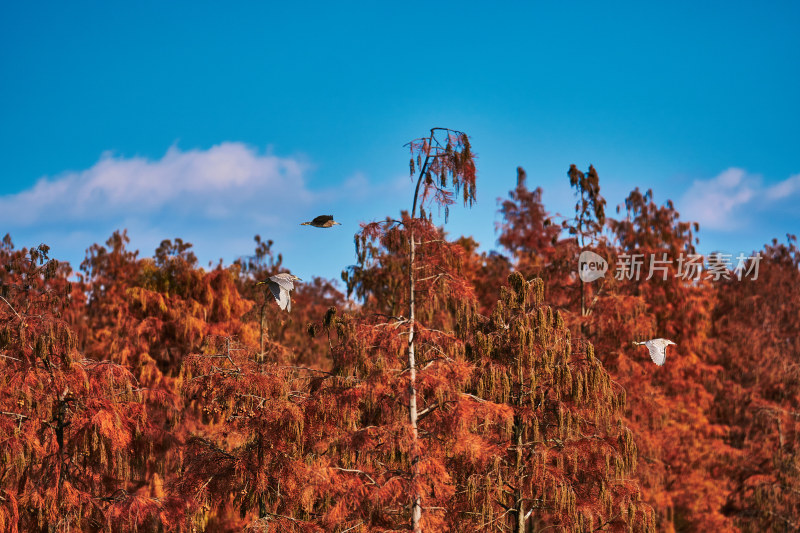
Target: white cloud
<point>230,179</point>
<point>731,199</point>
<point>714,203</point>
<point>216,199</point>
<point>784,189</point>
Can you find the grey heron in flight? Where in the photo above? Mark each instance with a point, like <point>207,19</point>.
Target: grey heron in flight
<point>280,285</point>
<point>322,221</point>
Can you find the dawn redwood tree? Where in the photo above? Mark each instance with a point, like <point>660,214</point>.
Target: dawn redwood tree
<point>444,166</point>
<point>756,339</point>
<point>486,271</point>
<point>251,464</point>
<point>590,217</point>
<point>527,231</point>
<point>74,432</point>
<point>447,156</point>
<point>669,406</point>
<point>149,314</point>
<point>656,233</point>
<point>534,238</point>
<point>376,443</point>
<point>475,471</point>
<point>544,445</point>
<point>152,312</point>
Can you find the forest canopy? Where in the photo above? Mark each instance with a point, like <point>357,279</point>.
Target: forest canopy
<point>436,388</point>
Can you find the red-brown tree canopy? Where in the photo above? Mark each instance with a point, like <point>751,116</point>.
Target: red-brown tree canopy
<point>150,394</point>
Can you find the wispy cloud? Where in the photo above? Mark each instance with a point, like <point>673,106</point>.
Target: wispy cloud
<point>735,198</point>
<point>230,179</point>
<point>714,203</point>
<point>216,198</point>
<point>785,189</point>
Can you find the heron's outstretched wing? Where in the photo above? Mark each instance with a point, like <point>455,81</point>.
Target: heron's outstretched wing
<point>275,289</point>
<point>657,353</point>
<point>281,296</point>
<point>322,219</point>
<point>285,301</point>
<point>284,281</point>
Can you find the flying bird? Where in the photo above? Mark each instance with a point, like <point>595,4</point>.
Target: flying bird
<point>322,221</point>
<point>658,349</point>
<point>280,285</point>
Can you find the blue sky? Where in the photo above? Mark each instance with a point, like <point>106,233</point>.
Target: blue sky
<point>211,123</point>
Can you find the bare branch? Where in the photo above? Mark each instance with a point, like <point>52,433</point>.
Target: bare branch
<point>355,471</point>
<point>17,415</point>
<point>11,306</point>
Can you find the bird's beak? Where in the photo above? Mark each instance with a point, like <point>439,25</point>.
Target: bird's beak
<point>338,223</point>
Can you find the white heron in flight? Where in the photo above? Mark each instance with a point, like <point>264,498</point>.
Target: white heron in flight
<point>280,285</point>
<point>658,349</point>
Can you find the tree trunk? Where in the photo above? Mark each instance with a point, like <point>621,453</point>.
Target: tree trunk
<point>261,333</point>
<point>519,503</point>
<point>416,507</point>
<point>580,242</point>
<point>583,308</point>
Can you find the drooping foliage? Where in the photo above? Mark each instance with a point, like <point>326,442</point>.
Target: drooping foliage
<point>559,452</point>
<point>76,437</point>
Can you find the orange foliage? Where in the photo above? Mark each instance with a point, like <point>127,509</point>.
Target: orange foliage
<point>149,394</point>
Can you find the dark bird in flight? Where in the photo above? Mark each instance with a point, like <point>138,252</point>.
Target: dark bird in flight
<point>322,221</point>
<point>280,285</point>
<point>658,349</point>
